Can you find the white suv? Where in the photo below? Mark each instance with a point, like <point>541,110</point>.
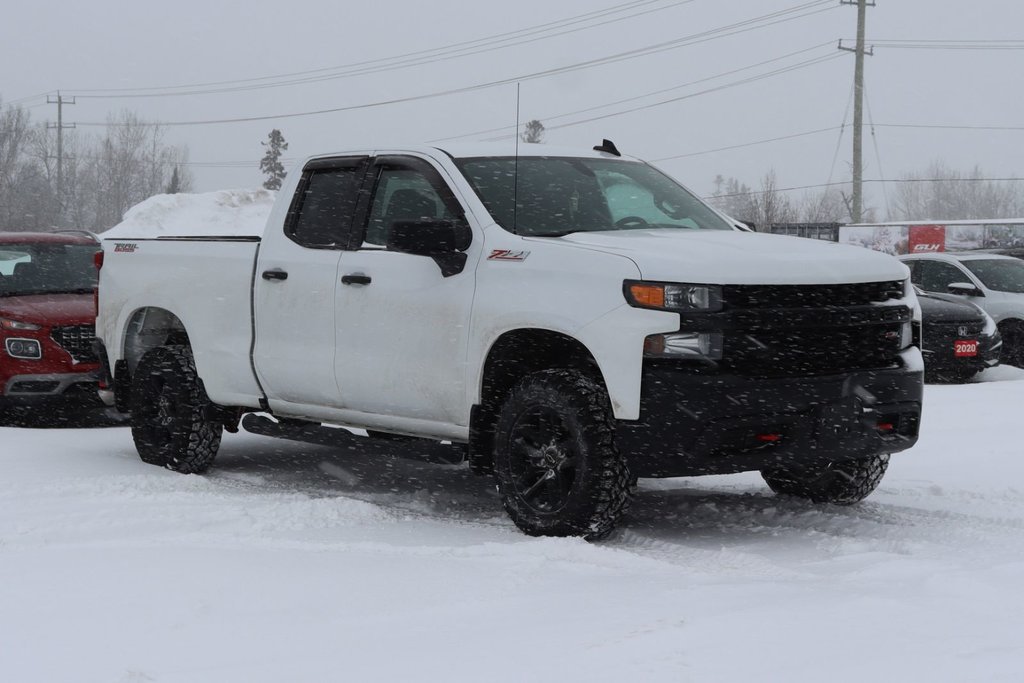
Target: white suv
<point>992,281</point>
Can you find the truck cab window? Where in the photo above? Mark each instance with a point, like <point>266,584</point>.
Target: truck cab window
<point>328,205</point>
<point>402,195</point>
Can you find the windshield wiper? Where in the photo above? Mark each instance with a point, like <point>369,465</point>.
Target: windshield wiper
<point>555,234</point>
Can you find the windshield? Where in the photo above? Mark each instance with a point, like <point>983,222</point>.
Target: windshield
<point>1000,275</point>
<point>46,269</point>
<point>558,195</point>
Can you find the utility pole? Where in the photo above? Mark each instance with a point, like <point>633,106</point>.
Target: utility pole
<point>858,106</point>
<point>60,102</point>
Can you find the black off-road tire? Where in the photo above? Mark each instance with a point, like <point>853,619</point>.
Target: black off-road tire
<point>555,461</point>
<point>840,483</point>
<point>170,423</point>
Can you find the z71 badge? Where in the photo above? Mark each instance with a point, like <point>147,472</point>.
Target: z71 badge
<point>125,247</point>
<point>507,255</point>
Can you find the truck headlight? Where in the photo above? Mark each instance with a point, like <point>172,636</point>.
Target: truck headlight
<point>670,296</point>
<point>684,345</point>
<point>23,348</point>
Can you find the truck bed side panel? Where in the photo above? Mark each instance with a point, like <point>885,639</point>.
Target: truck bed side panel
<point>206,284</point>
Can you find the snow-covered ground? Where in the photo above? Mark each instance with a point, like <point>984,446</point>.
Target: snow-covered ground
<point>297,563</point>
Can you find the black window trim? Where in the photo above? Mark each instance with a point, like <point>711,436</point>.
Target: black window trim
<point>371,184</point>
<point>361,163</point>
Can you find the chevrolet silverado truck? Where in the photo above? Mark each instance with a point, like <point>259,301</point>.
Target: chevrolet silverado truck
<point>47,313</point>
<point>577,319</point>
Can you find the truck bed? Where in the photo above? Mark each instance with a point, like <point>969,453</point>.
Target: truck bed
<point>205,282</point>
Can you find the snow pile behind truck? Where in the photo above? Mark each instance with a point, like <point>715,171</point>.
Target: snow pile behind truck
<point>221,213</point>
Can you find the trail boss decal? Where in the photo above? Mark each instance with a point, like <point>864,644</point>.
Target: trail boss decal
<point>125,247</point>
<point>507,255</point>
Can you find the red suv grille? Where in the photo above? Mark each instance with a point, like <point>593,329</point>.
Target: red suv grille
<point>77,340</point>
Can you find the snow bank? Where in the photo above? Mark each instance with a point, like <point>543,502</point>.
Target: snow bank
<point>225,212</point>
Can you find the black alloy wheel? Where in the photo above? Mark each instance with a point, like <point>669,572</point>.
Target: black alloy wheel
<point>543,459</point>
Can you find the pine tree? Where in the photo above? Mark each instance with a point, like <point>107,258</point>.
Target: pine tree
<point>271,164</point>
<point>174,187</point>
<point>533,131</point>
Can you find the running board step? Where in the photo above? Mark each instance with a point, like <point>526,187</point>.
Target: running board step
<point>335,437</point>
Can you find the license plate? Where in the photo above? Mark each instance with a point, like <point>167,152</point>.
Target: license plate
<point>963,348</point>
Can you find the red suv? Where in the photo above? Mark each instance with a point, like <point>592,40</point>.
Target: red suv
<point>47,317</point>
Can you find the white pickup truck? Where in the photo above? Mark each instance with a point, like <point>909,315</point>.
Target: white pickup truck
<point>576,318</point>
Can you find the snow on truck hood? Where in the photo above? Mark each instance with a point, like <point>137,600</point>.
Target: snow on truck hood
<point>728,257</point>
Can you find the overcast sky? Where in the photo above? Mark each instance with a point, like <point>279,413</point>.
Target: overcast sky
<point>122,47</point>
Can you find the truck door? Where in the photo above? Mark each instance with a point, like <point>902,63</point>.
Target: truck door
<point>402,326</point>
<point>295,285</point>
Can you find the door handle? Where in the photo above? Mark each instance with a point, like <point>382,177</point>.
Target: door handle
<point>355,279</point>
<point>275,275</point>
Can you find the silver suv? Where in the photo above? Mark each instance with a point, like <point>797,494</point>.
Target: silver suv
<point>993,282</point>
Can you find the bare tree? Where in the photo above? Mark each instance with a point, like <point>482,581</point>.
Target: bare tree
<point>941,192</point>
<point>128,164</point>
<point>733,198</point>
<point>770,205</point>
<point>826,206</point>
<point>102,177</point>
<point>14,135</point>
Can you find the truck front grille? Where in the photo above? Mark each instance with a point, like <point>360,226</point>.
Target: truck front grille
<point>806,352</point>
<point>811,296</point>
<point>77,340</point>
<point>801,331</point>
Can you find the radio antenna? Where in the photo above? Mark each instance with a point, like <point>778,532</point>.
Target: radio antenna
<point>515,173</point>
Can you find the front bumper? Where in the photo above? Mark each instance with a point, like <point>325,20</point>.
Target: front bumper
<point>692,424</point>
<point>41,388</point>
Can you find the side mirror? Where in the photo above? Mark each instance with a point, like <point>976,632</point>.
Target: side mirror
<point>444,241</point>
<point>964,289</point>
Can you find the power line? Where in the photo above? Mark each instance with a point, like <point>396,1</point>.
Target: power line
<point>746,144</point>
<point>789,14</point>
<point>752,143</point>
<point>839,139</point>
<point>554,117</point>
<point>707,91</point>
<point>950,44</point>
<point>364,68</point>
<point>876,180</point>
<point>947,127</point>
<point>428,52</point>
<point>878,157</point>
<point>29,98</point>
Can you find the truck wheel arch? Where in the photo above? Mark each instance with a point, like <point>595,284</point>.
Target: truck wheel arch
<point>149,328</point>
<point>512,356</point>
